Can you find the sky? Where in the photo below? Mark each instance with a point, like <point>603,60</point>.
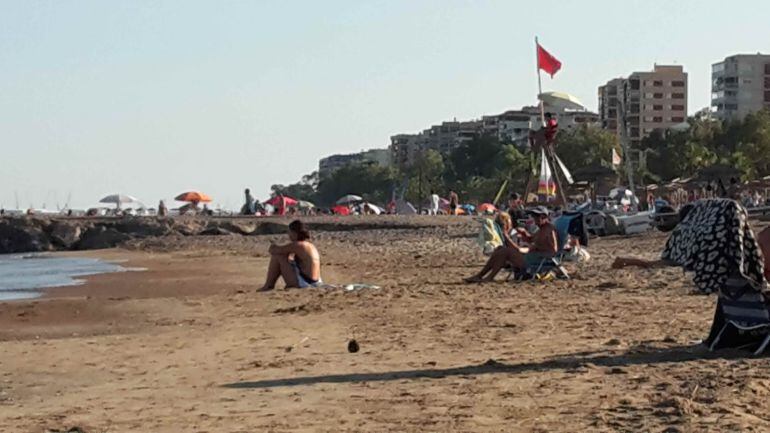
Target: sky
<point>152,98</point>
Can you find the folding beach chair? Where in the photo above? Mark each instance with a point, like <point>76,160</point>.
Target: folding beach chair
<point>552,265</point>
<point>741,319</point>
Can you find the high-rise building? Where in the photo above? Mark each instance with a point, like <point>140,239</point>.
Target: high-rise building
<point>653,100</point>
<point>740,84</point>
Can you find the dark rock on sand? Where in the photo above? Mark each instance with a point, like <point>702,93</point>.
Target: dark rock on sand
<point>270,228</point>
<point>65,235</point>
<point>17,236</point>
<point>187,227</point>
<point>102,237</point>
<point>216,231</point>
<point>144,227</point>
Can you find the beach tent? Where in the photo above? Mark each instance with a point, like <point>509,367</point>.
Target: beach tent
<point>350,198</point>
<point>403,207</point>
<point>302,204</point>
<point>281,202</point>
<point>341,210</point>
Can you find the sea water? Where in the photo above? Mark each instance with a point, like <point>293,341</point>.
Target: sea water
<point>21,276</point>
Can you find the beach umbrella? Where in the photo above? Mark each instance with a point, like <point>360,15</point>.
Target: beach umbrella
<point>487,208</point>
<point>302,204</point>
<point>119,199</point>
<point>443,203</point>
<point>561,100</point>
<point>350,198</point>
<point>193,197</point>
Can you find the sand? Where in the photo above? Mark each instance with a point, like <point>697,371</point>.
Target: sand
<point>188,346</point>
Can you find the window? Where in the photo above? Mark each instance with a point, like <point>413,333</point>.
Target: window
<point>657,119</point>
<point>767,68</point>
<point>677,84</point>
<point>657,96</point>
<point>635,108</point>
<point>677,95</point>
<point>634,84</point>
<point>657,83</point>
<point>612,113</point>
<point>677,119</point>
<point>657,107</point>
<point>634,132</point>
<point>767,95</point>
<point>746,81</point>
<point>677,107</point>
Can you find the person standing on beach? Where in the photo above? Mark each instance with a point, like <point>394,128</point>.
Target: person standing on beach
<point>454,201</point>
<point>248,207</point>
<point>162,209</point>
<point>434,202</point>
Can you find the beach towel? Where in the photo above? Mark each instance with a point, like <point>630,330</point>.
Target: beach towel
<point>715,241</point>
<point>490,236</point>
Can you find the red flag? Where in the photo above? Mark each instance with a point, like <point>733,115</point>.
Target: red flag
<point>547,62</point>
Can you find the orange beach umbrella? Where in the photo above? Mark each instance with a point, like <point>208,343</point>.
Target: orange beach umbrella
<point>193,196</point>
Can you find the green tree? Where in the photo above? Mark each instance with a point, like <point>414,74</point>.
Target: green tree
<point>305,189</point>
<point>425,174</point>
<point>371,181</point>
<point>478,168</point>
<point>585,146</point>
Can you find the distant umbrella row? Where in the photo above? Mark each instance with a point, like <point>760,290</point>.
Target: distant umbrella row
<point>199,197</point>
<point>125,199</point>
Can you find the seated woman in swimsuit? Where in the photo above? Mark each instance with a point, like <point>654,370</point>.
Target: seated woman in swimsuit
<point>298,262</point>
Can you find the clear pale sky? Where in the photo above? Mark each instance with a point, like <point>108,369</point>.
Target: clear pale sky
<point>151,98</point>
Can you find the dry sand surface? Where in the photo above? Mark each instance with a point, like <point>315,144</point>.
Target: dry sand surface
<point>188,346</point>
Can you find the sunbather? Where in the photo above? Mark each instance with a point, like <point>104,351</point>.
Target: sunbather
<point>543,244</point>
<point>298,262</point>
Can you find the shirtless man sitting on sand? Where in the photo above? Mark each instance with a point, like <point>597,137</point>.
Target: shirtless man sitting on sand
<point>543,244</point>
<point>298,262</point>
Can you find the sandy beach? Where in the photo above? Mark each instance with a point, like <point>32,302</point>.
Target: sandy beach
<point>188,345</point>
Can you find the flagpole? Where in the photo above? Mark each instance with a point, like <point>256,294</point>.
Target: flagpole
<point>539,81</point>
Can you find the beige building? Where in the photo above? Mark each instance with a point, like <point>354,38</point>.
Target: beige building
<point>740,84</point>
<point>653,100</point>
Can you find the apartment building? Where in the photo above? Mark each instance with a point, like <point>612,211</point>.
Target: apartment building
<point>740,85</point>
<point>653,100</point>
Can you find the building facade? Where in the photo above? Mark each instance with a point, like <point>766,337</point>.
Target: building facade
<point>653,100</point>
<point>330,164</point>
<point>740,85</point>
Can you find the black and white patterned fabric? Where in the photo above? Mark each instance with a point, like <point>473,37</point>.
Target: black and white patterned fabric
<point>715,241</point>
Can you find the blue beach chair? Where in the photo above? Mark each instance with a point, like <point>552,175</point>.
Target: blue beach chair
<point>741,319</point>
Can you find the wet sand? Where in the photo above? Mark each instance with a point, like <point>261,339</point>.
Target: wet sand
<point>187,345</point>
